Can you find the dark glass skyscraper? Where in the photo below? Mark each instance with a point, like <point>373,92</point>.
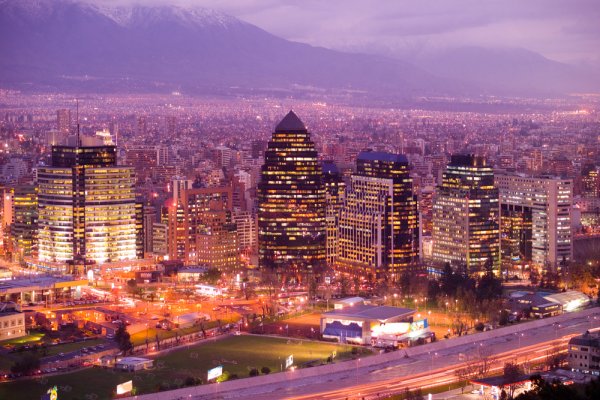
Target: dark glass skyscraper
<point>465,216</point>
<point>291,198</point>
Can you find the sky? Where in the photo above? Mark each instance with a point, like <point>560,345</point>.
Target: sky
<point>562,30</point>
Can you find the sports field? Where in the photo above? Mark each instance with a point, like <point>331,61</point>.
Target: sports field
<point>237,354</point>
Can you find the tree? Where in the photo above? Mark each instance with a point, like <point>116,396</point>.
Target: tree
<point>404,283</point>
<point>212,276</point>
<point>344,286</point>
<point>554,390</point>
<point>26,364</point>
<point>123,339</point>
<point>512,374</point>
<point>489,287</point>
<point>265,370</point>
<point>459,326</point>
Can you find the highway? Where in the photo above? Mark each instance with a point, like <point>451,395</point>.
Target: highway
<point>427,369</point>
<point>439,376</point>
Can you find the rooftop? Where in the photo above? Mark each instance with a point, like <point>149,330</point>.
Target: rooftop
<point>382,156</point>
<point>38,281</point>
<point>381,313</point>
<point>590,339</point>
<point>290,123</point>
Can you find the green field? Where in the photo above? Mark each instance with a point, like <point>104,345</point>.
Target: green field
<point>237,354</point>
<point>27,339</point>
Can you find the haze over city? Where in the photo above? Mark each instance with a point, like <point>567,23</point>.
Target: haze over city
<point>299,200</point>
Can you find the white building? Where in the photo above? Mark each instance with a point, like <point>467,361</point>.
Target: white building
<point>12,322</point>
<point>545,203</point>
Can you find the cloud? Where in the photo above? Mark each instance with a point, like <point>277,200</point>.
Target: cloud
<point>566,30</point>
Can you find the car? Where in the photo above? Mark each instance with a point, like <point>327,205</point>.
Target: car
<point>110,336</point>
<point>61,354</point>
<point>237,333</point>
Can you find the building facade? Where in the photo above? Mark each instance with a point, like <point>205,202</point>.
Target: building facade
<point>378,232</point>
<point>334,197</point>
<point>23,228</point>
<point>536,219</point>
<point>86,205</point>
<point>465,216</point>
<point>291,201</point>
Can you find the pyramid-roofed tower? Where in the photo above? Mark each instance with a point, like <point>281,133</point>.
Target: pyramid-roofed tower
<point>290,123</point>
<point>291,197</point>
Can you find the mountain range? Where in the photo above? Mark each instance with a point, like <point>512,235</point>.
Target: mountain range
<point>74,45</point>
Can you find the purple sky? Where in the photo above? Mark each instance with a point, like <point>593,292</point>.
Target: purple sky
<point>563,30</point>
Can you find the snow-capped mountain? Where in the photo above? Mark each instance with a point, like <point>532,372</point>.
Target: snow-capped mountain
<point>80,45</point>
<point>72,44</point>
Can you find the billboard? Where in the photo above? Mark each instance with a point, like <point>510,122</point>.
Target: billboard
<point>289,361</point>
<point>125,387</point>
<point>215,372</point>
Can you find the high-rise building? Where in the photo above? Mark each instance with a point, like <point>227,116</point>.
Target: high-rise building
<point>23,228</point>
<point>378,231</point>
<point>590,181</point>
<point>142,126</point>
<point>200,226</point>
<point>536,217</point>
<point>291,201</point>
<point>425,197</point>
<point>143,159</point>
<point>86,205</point>
<point>63,120</point>
<point>465,216</point>
<point>334,196</point>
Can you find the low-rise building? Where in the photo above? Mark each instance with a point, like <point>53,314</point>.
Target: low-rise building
<point>12,322</point>
<point>134,364</point>
<point>584,353</point>
<point>371,324</point>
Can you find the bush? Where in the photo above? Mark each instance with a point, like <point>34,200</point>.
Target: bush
<point>355,350</point>
<point>254,372</point>
<point>189,381</point>
<point>479,327</point>
<point>225,377</point>
<point>265,370</point>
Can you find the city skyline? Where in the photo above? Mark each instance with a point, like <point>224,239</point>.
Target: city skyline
<point>274,199</point>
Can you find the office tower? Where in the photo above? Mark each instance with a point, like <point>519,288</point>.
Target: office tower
<point>540,207</point>
<point>378,233</point>
<point>291,202</point>
<point>334,195</point>
<point>170,126</point>
<point>142,126</point>
<point>245,222</point>
<point>143,159</point>
<point>179,184</point>
<point>86,205</point>
<point>149,220</point>
<point>23,228</point>
<point>139,229</point>
<point>465,216</point>
<point>63,120</point>
<point>425,205</point>
<point>590,181</point>
<point>160,239</point>
<point>163,155</point>
<point>223,156</point>
<point>200,227</point>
